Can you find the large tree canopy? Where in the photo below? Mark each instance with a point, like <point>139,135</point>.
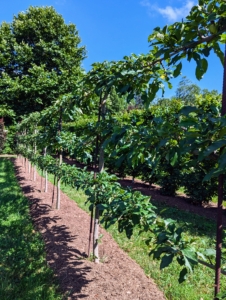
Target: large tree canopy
<point>40,59</point>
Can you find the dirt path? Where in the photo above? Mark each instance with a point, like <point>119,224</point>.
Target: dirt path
<point>65,232</point>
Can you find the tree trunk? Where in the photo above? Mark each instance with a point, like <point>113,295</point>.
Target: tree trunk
<point>58,185</point>
<point>101,159</point>
<point>102,113</point>
<point>35,150</point>
<point>46,174</point>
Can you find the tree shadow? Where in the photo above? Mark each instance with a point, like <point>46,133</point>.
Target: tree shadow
<point>66,261</point>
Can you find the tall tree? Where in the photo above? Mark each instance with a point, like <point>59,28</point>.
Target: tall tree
<point>187,91</point>
<point>116,104</point>
<point>42,60</point>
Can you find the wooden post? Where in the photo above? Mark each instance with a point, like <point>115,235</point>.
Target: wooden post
<point>35,150</point>
<point>96,236</point>
<point>29,167</point>
<point>60,161</point>
<point>46,173</point>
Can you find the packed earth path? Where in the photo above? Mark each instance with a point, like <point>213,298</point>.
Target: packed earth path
<point>66,235</point>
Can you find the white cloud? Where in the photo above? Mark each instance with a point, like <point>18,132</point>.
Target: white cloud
<point>60,2</point>
<point>174,13</point>
<point>169,12</point>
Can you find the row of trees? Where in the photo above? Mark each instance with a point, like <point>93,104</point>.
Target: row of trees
<point>108,201</point>
<point>41,62</point>
<point>133,138</point>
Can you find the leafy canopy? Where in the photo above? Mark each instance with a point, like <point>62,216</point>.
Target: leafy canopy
<point>41,59</point>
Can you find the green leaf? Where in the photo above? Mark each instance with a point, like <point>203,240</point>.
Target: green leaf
<point>169,85</point>
<point>212,17</point>
<point>190,258</point>
<point>177,234</point>
<point>201,255</point>
<point>180,260</point>
<point>124,89</point>
<point>177,70</point>
<point>223,38</point>
<point>198,72</point>
<point>166,261</point>
<point>168,221</point>
<point>215,146</point>
<point>206,51</point>
<point>183,275</point>
<point>222,161</point>
<point>186,110</point>
<point>209,175</point>
<point>204,63</point>
<point>210,252</point>
<point>174,159</point>
<point>210,7</point>
<point>189,122</point>
<point>219,53</point>
<point>221,295</point>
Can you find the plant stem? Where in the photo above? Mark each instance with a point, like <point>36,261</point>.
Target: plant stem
<point>96,236</point>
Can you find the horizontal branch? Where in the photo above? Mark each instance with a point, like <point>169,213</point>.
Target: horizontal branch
<point>190,46</point>
<point>210,266</point>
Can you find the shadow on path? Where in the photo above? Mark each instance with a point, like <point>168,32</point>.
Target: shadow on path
<point>65,260</point>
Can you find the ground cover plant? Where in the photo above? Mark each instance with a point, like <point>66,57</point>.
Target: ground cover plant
<point>200,230</point>
<point>23,270</point>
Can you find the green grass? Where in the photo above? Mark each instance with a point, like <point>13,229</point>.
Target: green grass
<point>24,274</point>
<point>200,284</point>
<point>215,199</point>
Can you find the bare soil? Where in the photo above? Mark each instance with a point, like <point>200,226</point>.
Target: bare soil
<point>66,233</point>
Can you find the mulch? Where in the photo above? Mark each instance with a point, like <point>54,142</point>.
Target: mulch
<point>66,233</point>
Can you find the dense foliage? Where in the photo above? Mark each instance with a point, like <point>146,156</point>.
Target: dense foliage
<point>171,144</point>
<point>40,60</point>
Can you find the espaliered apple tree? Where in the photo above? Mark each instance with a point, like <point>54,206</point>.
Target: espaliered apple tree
<point>193,39</point>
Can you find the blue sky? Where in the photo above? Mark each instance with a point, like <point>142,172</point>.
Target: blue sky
<point>111,29</point>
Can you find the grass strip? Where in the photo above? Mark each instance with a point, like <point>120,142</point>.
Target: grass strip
<point>24,274</point>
